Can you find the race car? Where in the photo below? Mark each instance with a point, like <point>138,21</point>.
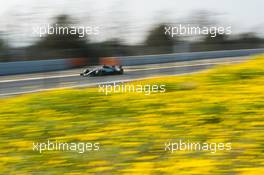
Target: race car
<point>104,70</point>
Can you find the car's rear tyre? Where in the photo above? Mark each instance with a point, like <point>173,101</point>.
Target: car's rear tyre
<point>121,71</point>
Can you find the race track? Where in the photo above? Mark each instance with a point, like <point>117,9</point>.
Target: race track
<point>30,83</point>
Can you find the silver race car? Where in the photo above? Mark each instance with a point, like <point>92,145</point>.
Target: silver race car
<point>104,70</point>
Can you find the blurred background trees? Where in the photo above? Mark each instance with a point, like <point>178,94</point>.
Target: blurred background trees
<point>62,45</point>
<point>4,48</point>
<point>158,41</point>
<point>62,41</point>
<point>56,46</point>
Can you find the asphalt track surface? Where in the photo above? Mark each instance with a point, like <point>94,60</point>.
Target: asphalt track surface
<point>30,83</point>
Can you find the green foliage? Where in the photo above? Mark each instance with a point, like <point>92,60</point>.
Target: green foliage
<point>157,38</point>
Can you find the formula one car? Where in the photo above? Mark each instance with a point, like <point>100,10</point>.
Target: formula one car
<point>104,70</point>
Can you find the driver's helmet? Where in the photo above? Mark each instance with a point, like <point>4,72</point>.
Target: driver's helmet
<point>86,71</point>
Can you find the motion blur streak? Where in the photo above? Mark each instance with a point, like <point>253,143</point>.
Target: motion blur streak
<point>36,83</point>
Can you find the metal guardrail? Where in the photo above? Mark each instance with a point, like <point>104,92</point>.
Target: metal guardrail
<point>20,67</point>
<point>166,58</point>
